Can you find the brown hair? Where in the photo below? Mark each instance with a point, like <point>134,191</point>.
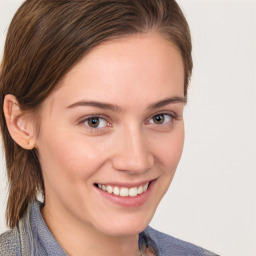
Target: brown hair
<point>45,40</point>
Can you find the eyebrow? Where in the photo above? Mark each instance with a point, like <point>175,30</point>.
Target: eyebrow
<point>116,108</point>
<point>96,104</point>
<point>167,101</point>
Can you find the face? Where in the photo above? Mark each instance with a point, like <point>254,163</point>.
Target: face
<point>111,135</point>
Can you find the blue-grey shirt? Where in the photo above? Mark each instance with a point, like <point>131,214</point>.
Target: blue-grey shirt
<point>32,237</point>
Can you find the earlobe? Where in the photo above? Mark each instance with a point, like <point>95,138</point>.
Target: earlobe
<point>20,124</point>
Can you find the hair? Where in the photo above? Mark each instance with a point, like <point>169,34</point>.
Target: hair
<point>46,38</point>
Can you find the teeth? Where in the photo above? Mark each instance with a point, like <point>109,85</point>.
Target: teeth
<point>145,187</point>
<point>133,192</point>
<point>140,190</point>
<point>116,191</point>
<point>124,191</point>
<point>109,189</point>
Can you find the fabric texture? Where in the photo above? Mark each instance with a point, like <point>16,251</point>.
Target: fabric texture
<point>32,238</point>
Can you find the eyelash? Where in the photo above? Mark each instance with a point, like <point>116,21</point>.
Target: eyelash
<point>172,117</point>
<point>94,129</point>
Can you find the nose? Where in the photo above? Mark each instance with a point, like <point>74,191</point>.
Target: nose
<point>132,152</point>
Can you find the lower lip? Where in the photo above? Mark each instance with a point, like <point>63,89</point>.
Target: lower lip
<point>128,201</point>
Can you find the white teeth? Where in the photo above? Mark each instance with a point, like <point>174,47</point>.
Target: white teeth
<point>145,187</point>
<point>116,191</point>
<point>124,192</point>
<point>140,190</point>
<point>109,189</point>
<point>134,191</point>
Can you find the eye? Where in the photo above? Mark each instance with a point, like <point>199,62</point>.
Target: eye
<point>96,122</point>
<point>160,119</point>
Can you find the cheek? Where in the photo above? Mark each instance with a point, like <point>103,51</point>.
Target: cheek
<point>169,150</point>
<point>72,159</point>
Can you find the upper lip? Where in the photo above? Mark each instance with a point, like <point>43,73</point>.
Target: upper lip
<point>126,184</point>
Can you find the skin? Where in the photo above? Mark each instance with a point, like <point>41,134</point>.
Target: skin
<point>128,147</point>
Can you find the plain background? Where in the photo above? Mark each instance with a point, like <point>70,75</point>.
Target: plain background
<point>212,200</point>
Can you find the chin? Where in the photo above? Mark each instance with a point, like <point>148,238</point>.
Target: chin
<point>125,225</point>
<point>127,229</point>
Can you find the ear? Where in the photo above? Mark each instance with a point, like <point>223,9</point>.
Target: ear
<point>21,125</point>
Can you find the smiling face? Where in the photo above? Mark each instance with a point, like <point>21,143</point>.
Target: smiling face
<point>114,124</point>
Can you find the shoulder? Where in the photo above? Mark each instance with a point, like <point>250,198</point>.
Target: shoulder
<point>17,241</point>
<point>168,245</point>
<point>10,243</point>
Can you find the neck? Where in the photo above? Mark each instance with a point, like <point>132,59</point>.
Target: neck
<point>82,239</point>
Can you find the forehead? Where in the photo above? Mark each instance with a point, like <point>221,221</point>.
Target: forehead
<point>141,67</point>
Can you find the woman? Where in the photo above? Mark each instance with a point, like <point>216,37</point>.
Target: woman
<point>92,96</point>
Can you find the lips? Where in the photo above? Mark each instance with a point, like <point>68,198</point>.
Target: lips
<point>126,195</point>
<point>124,191</point>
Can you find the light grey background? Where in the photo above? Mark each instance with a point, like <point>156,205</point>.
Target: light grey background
<point>212,200</point>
